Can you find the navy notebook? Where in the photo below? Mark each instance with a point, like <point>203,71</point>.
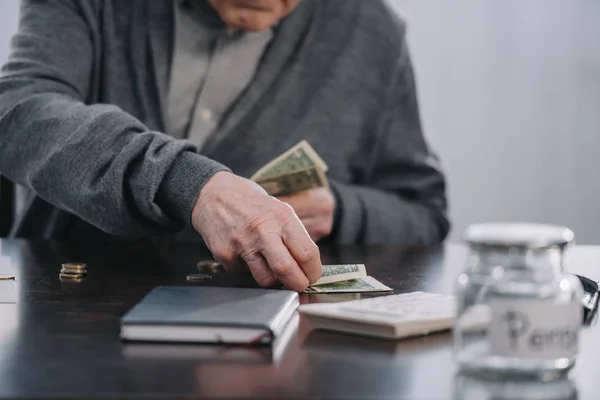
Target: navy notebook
<point>209,315</point>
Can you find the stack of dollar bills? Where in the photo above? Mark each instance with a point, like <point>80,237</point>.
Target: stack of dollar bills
<point>300,168</point>
<point>346,278</point>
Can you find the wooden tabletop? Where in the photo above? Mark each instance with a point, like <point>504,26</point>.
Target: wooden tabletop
<point>61,339</point>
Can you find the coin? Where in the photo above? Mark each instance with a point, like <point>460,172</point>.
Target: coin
<point>199,277</point>
<point>208,266</point>
<point>73,272</point>
<point>70,277</point>
<point>74,267</point>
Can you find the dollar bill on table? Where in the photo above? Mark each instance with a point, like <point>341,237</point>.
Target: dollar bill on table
<point>342,272</point>
<point>346,278</point>
<point>368,284</point>
<point>300,168</point>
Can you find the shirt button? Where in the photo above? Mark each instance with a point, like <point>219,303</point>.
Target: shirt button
<point>206,115</point>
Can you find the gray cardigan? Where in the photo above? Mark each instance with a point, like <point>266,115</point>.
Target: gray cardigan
<point>82,111</point>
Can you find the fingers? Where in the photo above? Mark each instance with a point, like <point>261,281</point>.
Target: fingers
<point>260,270</point>
<point>283,265</point>
<point>312,226</point>
<point>304,250</point>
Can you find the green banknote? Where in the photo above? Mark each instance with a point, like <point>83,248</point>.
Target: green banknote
<point>293,162</point>
<point>342,272</point>
<point>293,182</point>
<point>329,270</point>
<point>365,284</point>
<point>300,157</point>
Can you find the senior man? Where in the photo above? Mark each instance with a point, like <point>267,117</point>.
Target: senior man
<point>143,118</point>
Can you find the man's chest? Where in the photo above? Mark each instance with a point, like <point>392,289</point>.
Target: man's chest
<point>296,91</point>
<point>211,66</point>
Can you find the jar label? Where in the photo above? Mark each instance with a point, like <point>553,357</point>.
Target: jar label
<point>534,329</point>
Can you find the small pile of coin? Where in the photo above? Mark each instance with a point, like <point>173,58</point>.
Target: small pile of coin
<point>207,268</point>
<point>73,271</point>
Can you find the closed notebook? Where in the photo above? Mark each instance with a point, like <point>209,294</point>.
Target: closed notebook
<point>151,353</point>
<point>209,315</point>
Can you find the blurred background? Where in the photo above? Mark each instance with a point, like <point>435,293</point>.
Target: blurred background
<point>510,99</point>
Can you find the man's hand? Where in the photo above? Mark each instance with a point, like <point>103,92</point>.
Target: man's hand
<point>242,225</point>
<point>315,208</point>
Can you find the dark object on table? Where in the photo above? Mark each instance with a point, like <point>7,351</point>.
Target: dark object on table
<point>590,300</point>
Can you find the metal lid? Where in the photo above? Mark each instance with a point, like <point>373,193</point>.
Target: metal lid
<point>526,235</point>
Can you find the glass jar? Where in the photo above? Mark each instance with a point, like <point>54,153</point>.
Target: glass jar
<point>468,387</point>
<point>519,313</point>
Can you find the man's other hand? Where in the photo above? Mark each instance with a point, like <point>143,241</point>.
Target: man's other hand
<point>315,208</point>
<point>243,226</point>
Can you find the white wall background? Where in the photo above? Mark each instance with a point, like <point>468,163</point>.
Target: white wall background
<point>510,99</point>
<point>9,11</point>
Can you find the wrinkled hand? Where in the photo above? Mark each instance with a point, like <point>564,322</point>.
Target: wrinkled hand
<point>244,227</point>
<point>315,208</point>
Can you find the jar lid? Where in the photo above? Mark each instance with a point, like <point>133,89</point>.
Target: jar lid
<point>526,235</point>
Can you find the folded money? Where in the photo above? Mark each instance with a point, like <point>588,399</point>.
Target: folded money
<point>342,272</point>
<point>300,168</point>
<point>293,182</point>
<point>346,278</point>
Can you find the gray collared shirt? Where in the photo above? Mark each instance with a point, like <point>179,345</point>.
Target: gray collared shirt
<point>211,66</point>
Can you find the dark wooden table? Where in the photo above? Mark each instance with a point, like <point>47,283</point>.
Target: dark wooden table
<point>61,339</point>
